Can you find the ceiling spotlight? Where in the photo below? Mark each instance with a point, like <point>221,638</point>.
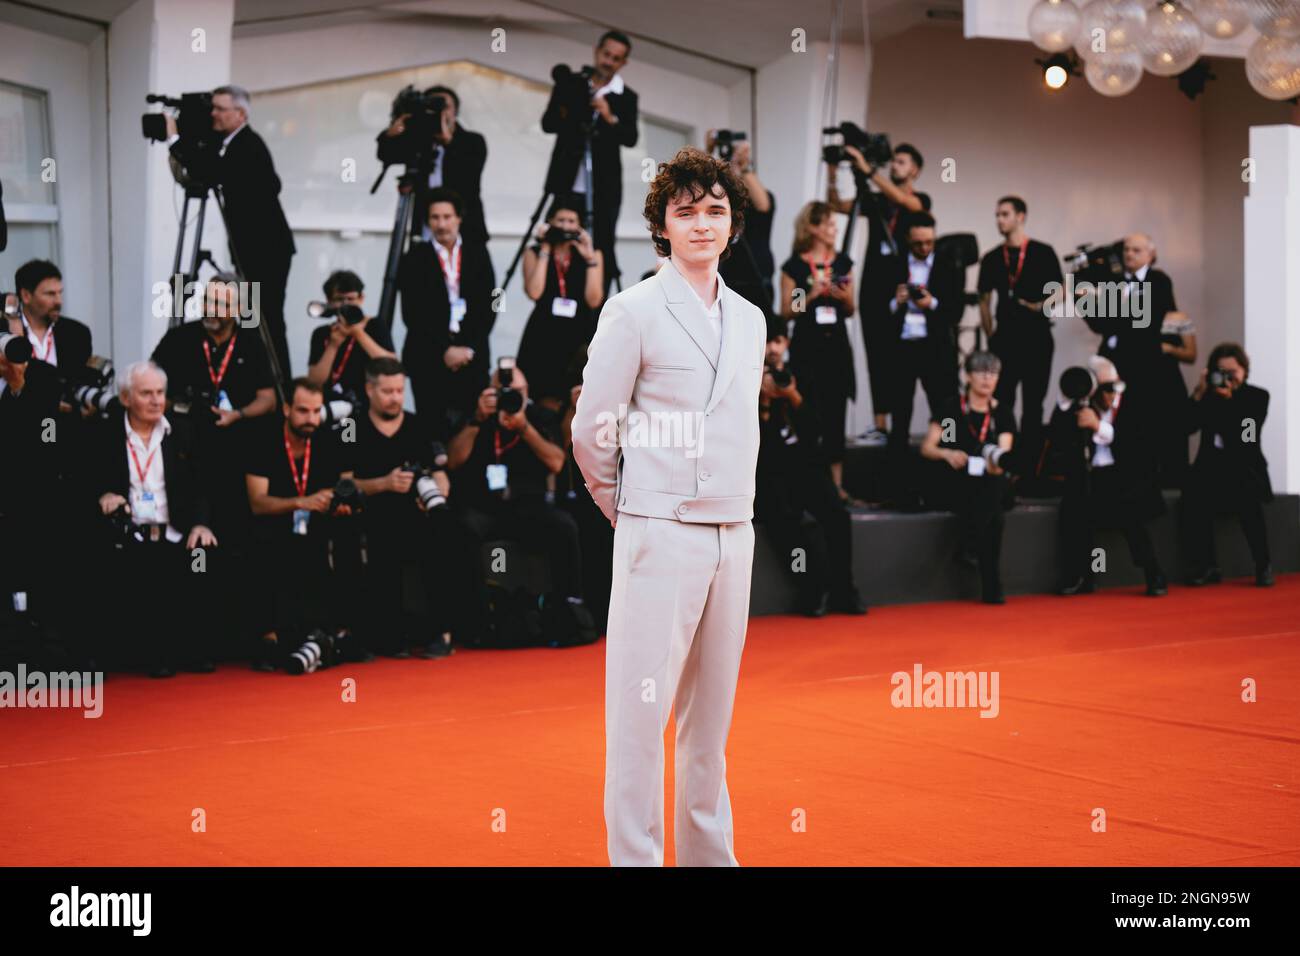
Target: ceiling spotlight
<point>1058,68</point>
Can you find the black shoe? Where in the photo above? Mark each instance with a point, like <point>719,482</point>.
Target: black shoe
<point>814,607</point>
<point>401,654</point>
<point>1156,584</point>
<point>1264,576</point>
<point>994,597</point>
<point>847,602</point>
<point>162,670</point>
<point>1083,585</point>
<point>438,647</point>
<point>265,656</point>
<point>201,667</point>
<point>1208,576</point>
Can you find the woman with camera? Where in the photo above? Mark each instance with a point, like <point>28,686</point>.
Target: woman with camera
<point>964,478</point>
<point>564,275</point>
<point>817,293</point>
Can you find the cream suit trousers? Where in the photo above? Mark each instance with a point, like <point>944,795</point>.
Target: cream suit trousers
<point>678,611</point>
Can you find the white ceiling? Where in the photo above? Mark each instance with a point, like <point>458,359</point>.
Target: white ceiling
<point>675,34</point>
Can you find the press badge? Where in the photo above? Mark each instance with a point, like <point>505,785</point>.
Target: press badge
<point>886,249</point>
<point>144,508</point>
<point>975,465</point>
<point>826,315</point>
<point>223,401</point>
<point>566,308</point>
<point>457,313</point>
<point>20,601</point>
<point>300,519</point>
<point>496,477</point>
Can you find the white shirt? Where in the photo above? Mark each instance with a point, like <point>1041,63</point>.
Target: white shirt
<point>613,86</point>
<point>713,312</point>
<point>226,142</point>
<point>1129,278</point>
<point>918,273</point>
<point>155,480</point>
<point>42,348</point>
<point>450,275</point>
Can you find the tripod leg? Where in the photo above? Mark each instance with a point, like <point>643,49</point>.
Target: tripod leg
<point>523,243</point>
<point>396,246</point>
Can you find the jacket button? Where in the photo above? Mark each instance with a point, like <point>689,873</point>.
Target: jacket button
<point>705,476</point>
<point>682,509</point>
<point>622,501</point>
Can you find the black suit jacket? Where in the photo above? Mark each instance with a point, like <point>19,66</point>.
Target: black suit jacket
<point>187,504</point>
<point>1135,489</point>
<point>72,345</point>
<point>1227,418</point>
<point>947,285</point>
<point>1136,352</point>
<point>258,230</point>
<point>427,313</point>
<point>462,171</point>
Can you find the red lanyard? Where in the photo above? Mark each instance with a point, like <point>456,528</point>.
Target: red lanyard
<point>1114,408</point>
<point>893,220</point>
<point>984,429</point>
<point>142,472</point>
<point>812,266</point>
<point>560,270</point>
<point>496,442</point>
<point>207,355</point>
<point>299,486</point>
<point>455,267</point>
<point>1020,263</point>
<point>338,370</point>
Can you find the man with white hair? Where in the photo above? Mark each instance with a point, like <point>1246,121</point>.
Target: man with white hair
<point>1109,465</point>
<point>147,484</point>
<point>261,242</point>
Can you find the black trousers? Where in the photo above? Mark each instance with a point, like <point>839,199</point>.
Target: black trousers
<point>787,487</point>
<point>272,276</point>
<point>931,362</point>
<point>1095,501</point>
<point>1026,354</point>
<point>442,397</point>
<point>980,503</point>
<point>416,583</point>
<point>596,546</point>
<point>297,588</point>
<point>537,526</point>
<point>878,335</point>
<point>1215,489</point>
<point>823,414</point>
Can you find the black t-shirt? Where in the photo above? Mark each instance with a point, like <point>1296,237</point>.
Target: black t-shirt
<point>269,459</point>
<point>971,425</point>
<point>239,365</point>
<point>889,215</point>
<point>525,472</point>
<point>374,455</point>
<point>798,269</point>
<point>1040,267</point>
<point>348,372</point>
<point>758,236</point>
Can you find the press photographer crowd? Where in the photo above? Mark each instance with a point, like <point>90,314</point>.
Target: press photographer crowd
<point>205,505</point>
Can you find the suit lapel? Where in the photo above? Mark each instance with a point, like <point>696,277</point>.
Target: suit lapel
<point>729,354</point>
<point>685,308</point>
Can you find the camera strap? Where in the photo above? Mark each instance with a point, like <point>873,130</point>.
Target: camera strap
<point>984,429</point>
<point>299,486</point>
<point>337,373</point>
<point>1020,263</point>
<point>496,442</point>
<point>220,374</point>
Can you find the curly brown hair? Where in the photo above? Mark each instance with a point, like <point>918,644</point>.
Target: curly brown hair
<point>693,172</point>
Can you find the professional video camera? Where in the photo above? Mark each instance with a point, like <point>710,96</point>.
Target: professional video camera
<point>1096,263</point>
<point>414,147</point>
<point>350,314</point>
<point>425,487</point>
<point>193,120</point>
<point>874,147</point>
<point>725,140</point>
<point>574,91</point>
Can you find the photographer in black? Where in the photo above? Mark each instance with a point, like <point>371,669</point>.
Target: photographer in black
<point>339,351</point>
<point>1106,453</point>
<point>969,435</point>
<point>291,480</point>
<point>57,340</point>
<point>594,98</point>
<point>398,465</point>
<point>502,459</point>
<point>564,275</point>
<point>456,155</point>
<point>1019,270</point>
<point>219,380</point>
<point>888,208</point>
<point>155,517</point>
<point>447,304</point>
<point>1230,473</point>
<point>790,480</point>
<point>751,269</point>
<point>260,238</point>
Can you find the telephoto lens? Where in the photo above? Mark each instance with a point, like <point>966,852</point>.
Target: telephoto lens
<point>314,654</point>
<point>16,348</point>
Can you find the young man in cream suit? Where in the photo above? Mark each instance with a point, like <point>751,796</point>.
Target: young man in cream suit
<point>666,435</point>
